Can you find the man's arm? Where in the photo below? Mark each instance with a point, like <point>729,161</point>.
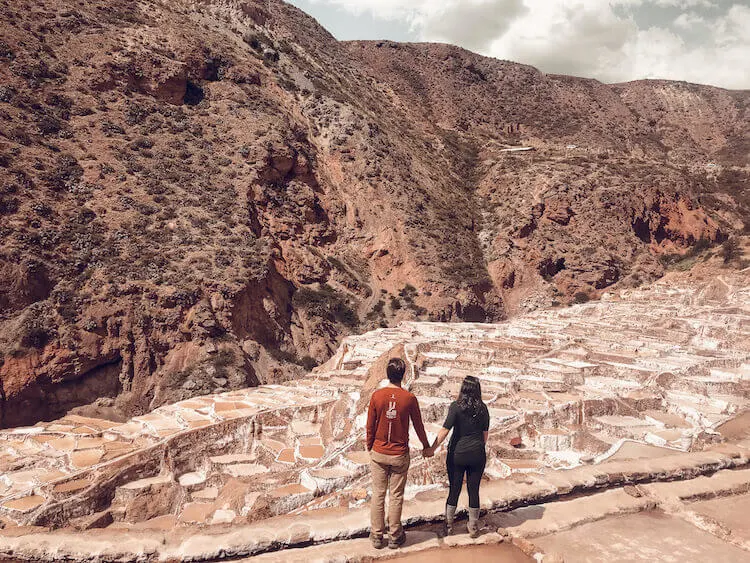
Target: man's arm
<point>416,420</point>
<point>372,424</point>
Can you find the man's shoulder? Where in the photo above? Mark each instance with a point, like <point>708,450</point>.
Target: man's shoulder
<point>408,394</point>
<point>375,395</point>
<point>387,392</point>
<point>381,394</point>
<point>411,397</point>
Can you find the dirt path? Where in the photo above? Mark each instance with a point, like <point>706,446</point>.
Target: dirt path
<point>501,553</point>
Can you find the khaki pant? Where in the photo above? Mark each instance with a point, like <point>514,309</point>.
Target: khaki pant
<point>388,472</point>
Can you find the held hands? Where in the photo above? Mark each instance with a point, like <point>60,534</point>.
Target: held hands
<point>428,452</point>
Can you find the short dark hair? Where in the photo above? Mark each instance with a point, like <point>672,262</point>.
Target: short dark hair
<point>395,370</point>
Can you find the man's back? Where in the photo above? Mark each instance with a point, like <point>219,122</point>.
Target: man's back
<point>388,443</point>
<point>388,421</point>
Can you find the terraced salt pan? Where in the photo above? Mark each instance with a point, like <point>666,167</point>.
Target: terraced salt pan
<point>242,470</point>
<point>190,480</point>
<point>231,459</point>
<point>634,450</point>
<point>562,386</point>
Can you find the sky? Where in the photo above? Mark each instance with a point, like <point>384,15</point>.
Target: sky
<point>703,41</point>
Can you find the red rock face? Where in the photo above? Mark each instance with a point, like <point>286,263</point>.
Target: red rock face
<point>196,199</point>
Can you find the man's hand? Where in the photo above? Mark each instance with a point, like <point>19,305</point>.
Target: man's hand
<point>428,452</point>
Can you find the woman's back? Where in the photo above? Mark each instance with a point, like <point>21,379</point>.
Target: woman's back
<point>469,419</point>
<point>468,427</point>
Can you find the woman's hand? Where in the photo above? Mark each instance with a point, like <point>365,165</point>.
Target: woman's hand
<point>442,435</point>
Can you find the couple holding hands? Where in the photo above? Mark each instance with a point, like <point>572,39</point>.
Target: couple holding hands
<point>391,408</point>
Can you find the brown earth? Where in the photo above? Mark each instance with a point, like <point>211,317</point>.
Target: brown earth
<point>502,553</point>
<point>204,196</point>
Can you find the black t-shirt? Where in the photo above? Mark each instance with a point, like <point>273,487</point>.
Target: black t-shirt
<point>467,429</point>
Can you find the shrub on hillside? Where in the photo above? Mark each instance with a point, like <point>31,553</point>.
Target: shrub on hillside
<point>730,250</point>
<point>6,52</point>
<point>7,93</point>
<point>308,362</point>
<point>327,303</point>
<point>221,361</point>
<point>20,135</point>
<point>700,246</point>
<point>8,206</point>
<point>36,71</point>
<point>254,40</point>
<point>36,328</point>
<point>408,293</point>
<point>49,125</point>
<point>281,355</point>
<point>377,311</point>
<point>672,259</point>
<point>63,173</point>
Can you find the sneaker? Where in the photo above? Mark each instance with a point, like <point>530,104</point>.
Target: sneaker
<point>377,543</point>
<point>397,542</point>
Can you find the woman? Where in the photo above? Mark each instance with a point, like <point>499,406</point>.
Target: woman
<point>470,421</point>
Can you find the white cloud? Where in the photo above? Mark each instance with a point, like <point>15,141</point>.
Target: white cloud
<point>689,20</point>
<point>473,24</point>
<point>583,38</point>
<point>704,40</point>
<point>385,9</point>
<point>682,4</point>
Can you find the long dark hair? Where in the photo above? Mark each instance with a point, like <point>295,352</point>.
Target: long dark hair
<point>470,397</point>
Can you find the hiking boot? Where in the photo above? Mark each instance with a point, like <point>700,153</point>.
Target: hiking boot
<point>473,525</point>
<point>397,542</point>
<point>450,515</point>
<point>377,542</point>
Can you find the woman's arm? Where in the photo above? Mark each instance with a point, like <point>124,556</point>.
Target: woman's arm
<point>450,421</point>
<point>486,433</point>
<point>442,435</point>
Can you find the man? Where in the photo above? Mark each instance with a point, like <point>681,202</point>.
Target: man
<point>388,443</point>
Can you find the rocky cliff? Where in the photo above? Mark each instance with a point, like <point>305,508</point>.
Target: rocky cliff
<point>199,196</point>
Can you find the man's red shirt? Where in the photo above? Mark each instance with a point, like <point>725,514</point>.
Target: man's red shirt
<point>388,421</point>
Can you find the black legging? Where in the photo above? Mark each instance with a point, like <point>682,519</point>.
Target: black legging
<point>472,464</point>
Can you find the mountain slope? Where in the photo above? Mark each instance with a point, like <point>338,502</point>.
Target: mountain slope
<point>616,179</point>
<point>200,196</point>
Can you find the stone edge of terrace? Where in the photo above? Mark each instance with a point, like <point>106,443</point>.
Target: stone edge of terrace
<point>327,526</point>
